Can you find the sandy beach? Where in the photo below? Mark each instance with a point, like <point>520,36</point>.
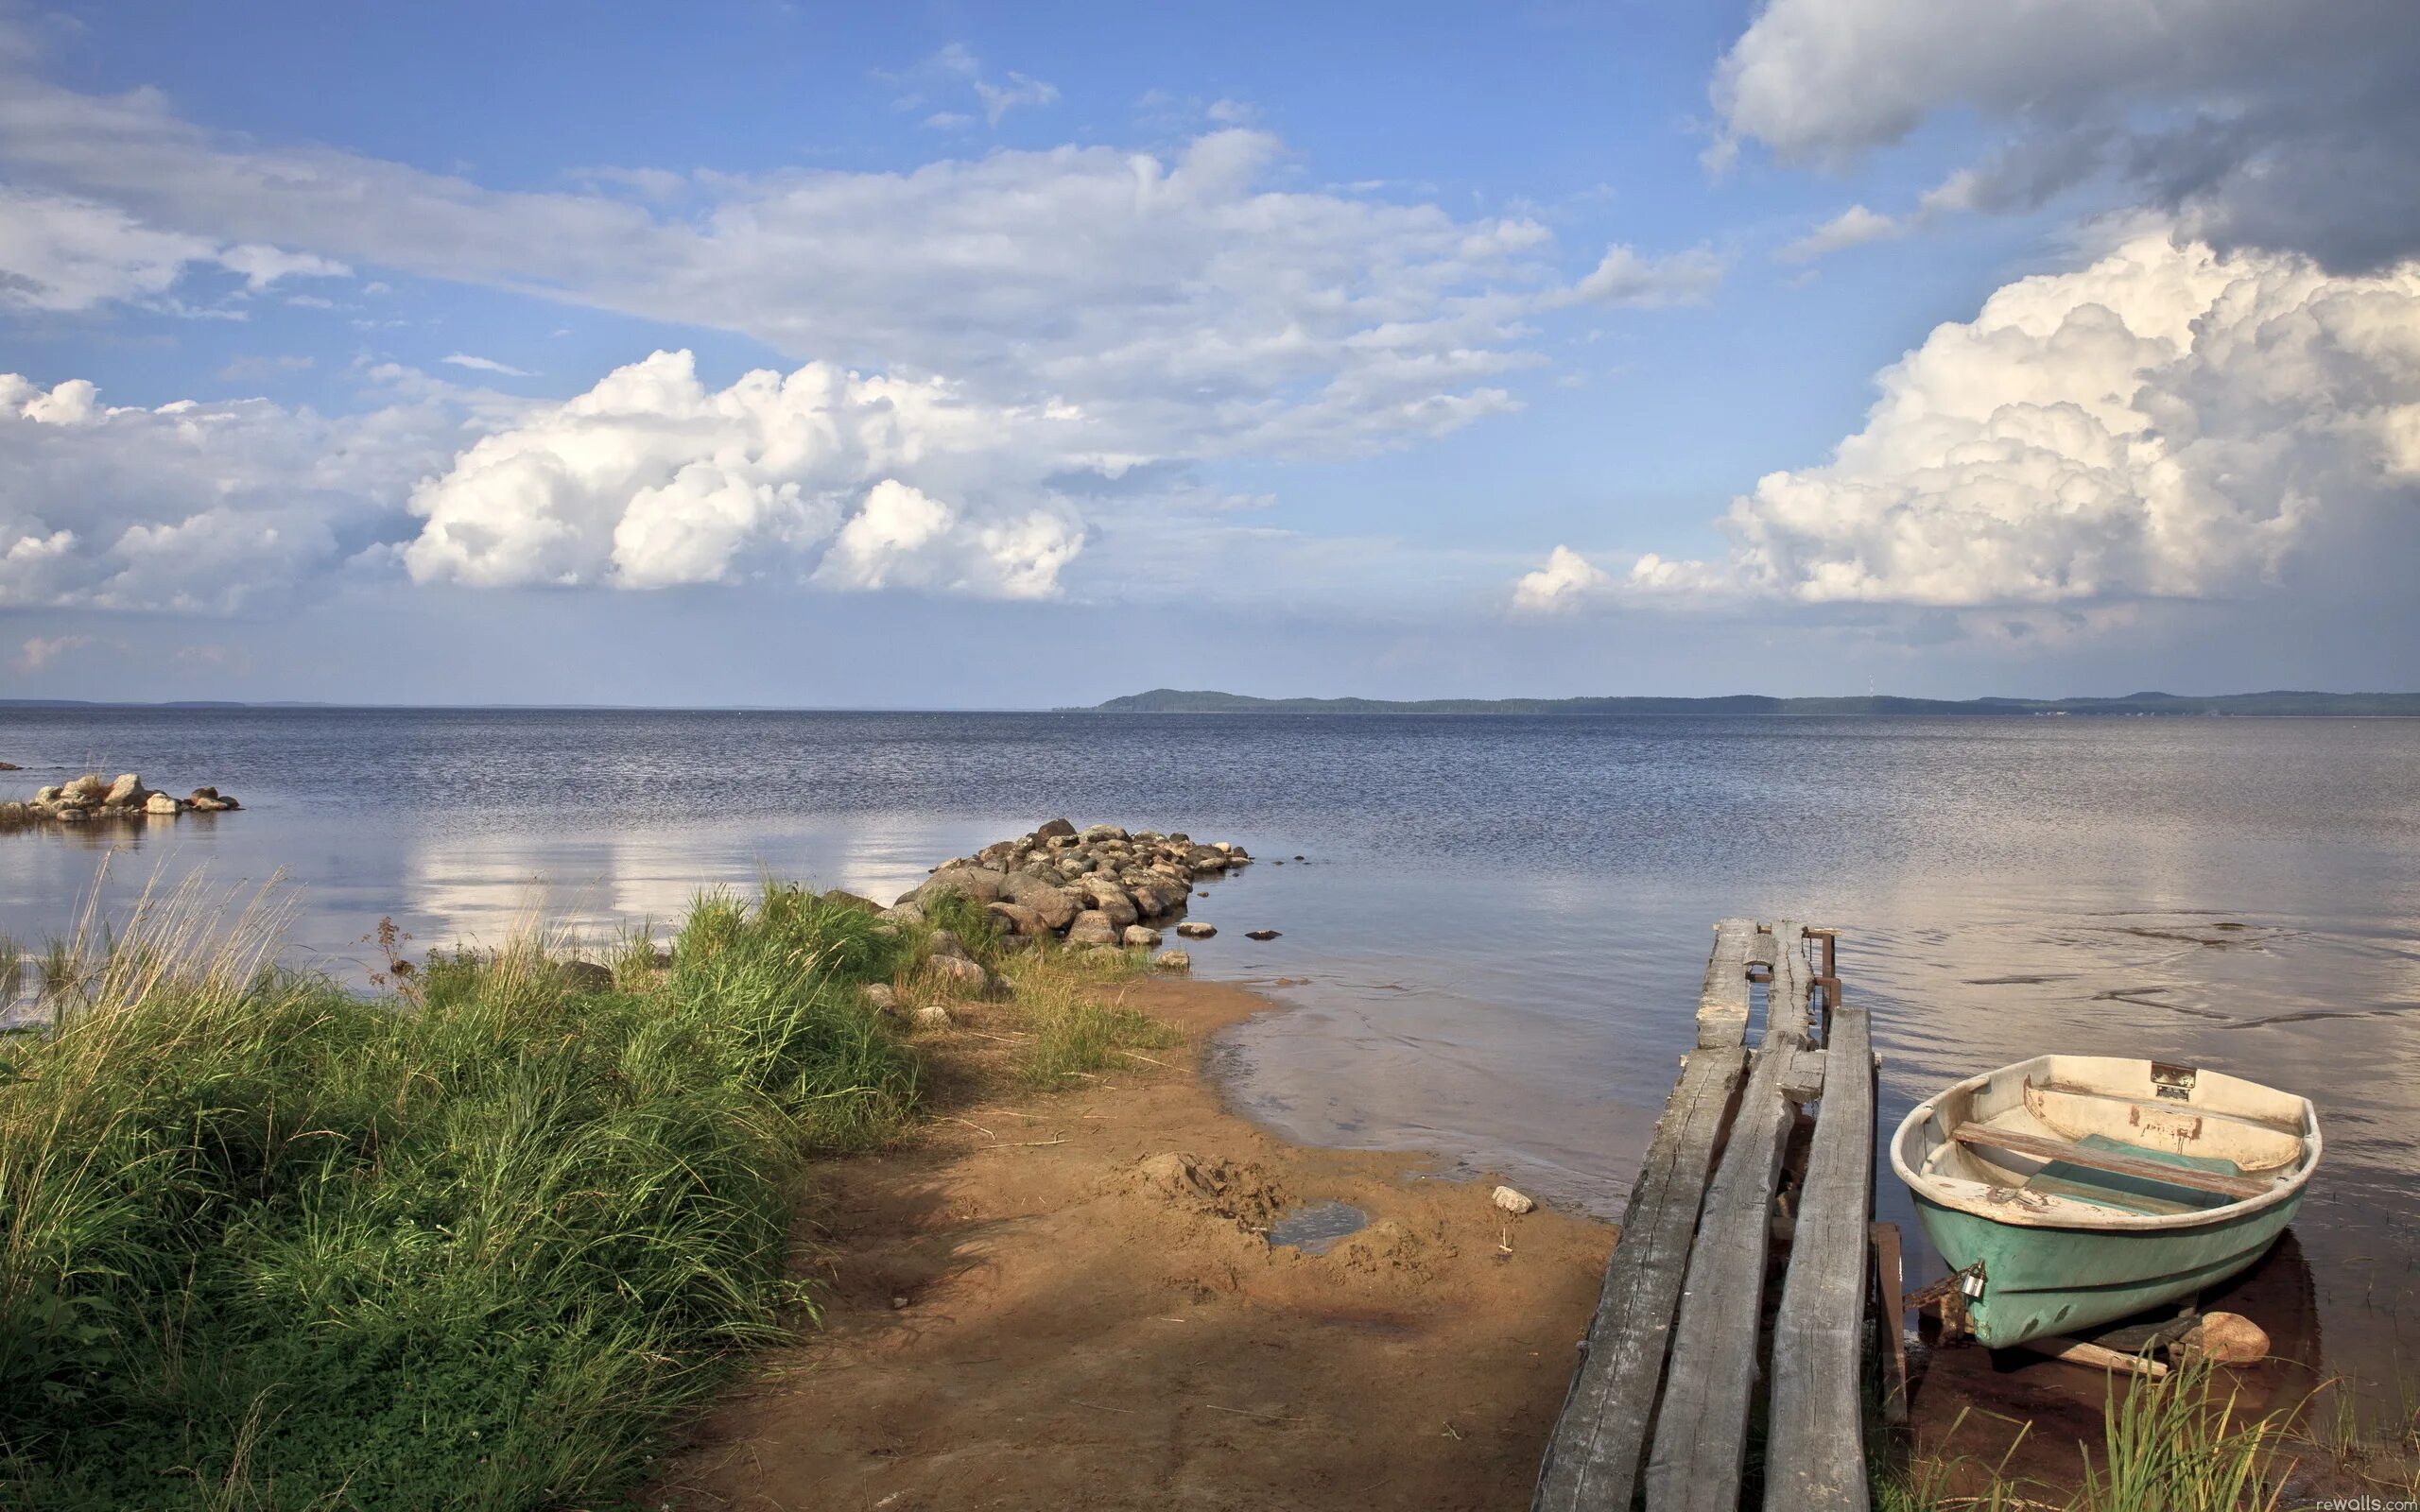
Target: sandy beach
<point>1027,1306</point>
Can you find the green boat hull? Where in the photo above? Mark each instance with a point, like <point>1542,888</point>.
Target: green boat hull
<point>2040,1281</point>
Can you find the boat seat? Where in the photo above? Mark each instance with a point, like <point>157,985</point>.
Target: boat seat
<point>2145,1166</point>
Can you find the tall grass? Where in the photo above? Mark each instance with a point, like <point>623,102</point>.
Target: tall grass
<point>2174,1445</point>
<point>265,1244</point>
<point>1076,1025</point>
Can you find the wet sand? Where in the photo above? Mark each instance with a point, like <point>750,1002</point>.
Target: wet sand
<point>1025,1308</point>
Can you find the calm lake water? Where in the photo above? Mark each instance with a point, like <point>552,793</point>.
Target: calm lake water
<point>1493,944</point>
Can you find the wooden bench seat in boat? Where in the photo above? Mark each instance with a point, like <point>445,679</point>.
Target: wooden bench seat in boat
<point>2135,1167</point>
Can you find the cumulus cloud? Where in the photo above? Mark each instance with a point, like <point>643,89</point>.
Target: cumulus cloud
<point>191,507</point>
<point>2167,422</point>
<point>2286,126</point>
<point>650,479</point>
<point>40,650</point>
<point>1566,579</point>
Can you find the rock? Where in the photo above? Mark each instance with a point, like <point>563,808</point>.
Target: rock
<point>83,793</point>
<point>1511,1201</point>
<point>946,943</point>
<point>903,913</point>
<point>880,996</point>
<point>1092,927</point>
<point>2225,1338</point>
<point>849,900</point>
<point>11,766</point>
<point>46,794</point>
<point>1103,832</point>
<point>981,884</point>
<point>160,803</point>
<point>1017,921</point>
<point>1194,929</point>
<point>1056,905</point>
<point>585,976</point>
<point>1260,933</point>
<point>72,815</point>
<point>1140,935</point>
<point>1108,898</point>
<point>1054,829</point>
<point>127,792</point>
<point>1173,961</point>
<point>933,1016</point>
<point>964,976</point>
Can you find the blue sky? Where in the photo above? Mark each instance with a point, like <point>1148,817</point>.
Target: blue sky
<point>404,353</point>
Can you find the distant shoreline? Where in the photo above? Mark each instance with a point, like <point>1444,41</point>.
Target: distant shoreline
<point>1177,701</point>
<point>2282,703</point>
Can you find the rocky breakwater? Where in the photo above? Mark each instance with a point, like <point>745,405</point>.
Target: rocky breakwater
<point>93,796</point>
<point>1102,885</point>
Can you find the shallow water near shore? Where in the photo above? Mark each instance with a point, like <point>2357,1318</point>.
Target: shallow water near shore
<point>1493,941</point>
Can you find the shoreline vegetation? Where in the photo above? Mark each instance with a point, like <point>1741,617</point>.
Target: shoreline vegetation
<point>2371,705</point>
<point>476,1241</point>
<point>802,1196</point>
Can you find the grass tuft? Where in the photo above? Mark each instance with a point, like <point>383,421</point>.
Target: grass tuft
<point>1069,1004</point>
<point>265,1244</point>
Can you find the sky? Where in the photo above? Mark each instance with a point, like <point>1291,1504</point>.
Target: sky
<point>942,355</point>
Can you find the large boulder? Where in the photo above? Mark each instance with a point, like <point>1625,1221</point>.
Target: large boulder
<point>1056,905</point>
<point>1092,927</point>
<point>839,899</point>
<point>160,803</point>
<point>83,793</point>
<point>1103,832</point>
<point>1054,829</point>
<point>1017,919</point>
<point>1109,899</point>
<point>1173,961</point>
<point>1193,929</point>
<point>1139,934</point>
<point>980,884</point>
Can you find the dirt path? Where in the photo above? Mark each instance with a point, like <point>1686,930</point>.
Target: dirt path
<point>1016,1323</point>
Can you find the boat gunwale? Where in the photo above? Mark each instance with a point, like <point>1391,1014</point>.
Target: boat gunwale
<point>2288,1186</point>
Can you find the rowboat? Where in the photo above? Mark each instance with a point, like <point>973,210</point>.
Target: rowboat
<point>2070,1191</point>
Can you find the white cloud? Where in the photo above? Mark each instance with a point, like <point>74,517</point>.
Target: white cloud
<point>192,506</point>
<point>2166,423</point>
<point>62,253</point>
<point>1625,278</point>
<point>42,650</point>
<point>1565,580</point>
<point>462,359</point>
<point>2285,126</point>
<point>1190,305</point>
<point>1852,227</point>
<point>999,99</point>
<point>650,480</point>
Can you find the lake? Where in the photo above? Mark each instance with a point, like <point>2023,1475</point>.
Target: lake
<point>1492,944</point>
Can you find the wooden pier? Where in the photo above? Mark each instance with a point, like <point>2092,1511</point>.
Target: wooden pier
<point>1690,1348</point>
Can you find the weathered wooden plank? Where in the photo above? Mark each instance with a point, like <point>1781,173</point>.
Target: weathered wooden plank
<point>1723,1006</point>
<point>1592,1461</point>
<point>2079,1351</point>
<point>1804,1081</point>
<point>2138,1167</point>
<point>1701,1428</point>
<point>1793,978</point>
<point>1815,1443</point>
<point>1892,1307</point>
